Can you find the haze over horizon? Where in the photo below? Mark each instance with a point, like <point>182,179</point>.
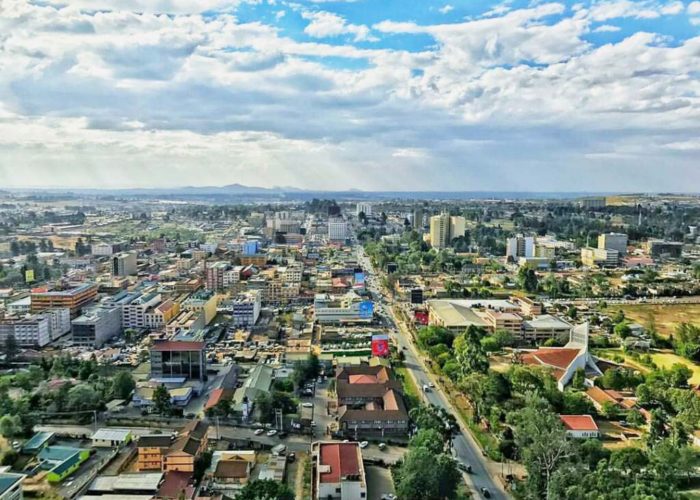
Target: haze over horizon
<point>594,96</point>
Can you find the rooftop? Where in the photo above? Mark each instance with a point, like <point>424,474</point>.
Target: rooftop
<point>178,346</point>
<point>579,422</point>
<point>341,460</point>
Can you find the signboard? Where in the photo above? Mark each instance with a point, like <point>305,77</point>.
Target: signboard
<point>380,346</point>
<point>366,309</point>
<point>422,317</point>
<point>29,275</point>
<point>359,278</point>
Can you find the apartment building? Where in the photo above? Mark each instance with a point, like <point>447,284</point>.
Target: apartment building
<point>135,307</point>
<point>29,331</point>
<point>245,309</point>
<point>520,246</point>
<point>205,302</point>
<point>124,264</point>
<point>337,229</point>
<point>599,257</point>
<point>162,314</point>
<point>215,275</point>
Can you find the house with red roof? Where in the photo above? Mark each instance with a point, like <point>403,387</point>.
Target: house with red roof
<point>340,472</point>
<point>580,426</point>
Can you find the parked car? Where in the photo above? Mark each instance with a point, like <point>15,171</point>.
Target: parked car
<point>259,431</point>
<point>486,492</point>
<point>291,458</point>
<point>272,432</point>
<point>382,446</point>
<point>307,405</point>
<point>464,467</point>
<point>364,444</point>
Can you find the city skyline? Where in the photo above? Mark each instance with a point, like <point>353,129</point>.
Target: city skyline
<point>338,95</point>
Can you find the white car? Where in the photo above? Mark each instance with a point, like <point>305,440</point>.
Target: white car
<point>272,432</point>
<point>364,444</point>
<point>307,405</point>
<point>259,431</point>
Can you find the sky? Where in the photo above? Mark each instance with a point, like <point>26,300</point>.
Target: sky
<point>351,94</point>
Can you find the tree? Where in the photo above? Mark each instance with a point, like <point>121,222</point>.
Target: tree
<point>469,353</point>
<point>527,279</point>
<point>429,439</point>
<point>11,348</point>
<point>10,426</point>
<point>623,330</point>
<point>83,397</point>
<point>123,385</point>
<point>266,489</point>
<point>162,404</point>
<point>425,476</point>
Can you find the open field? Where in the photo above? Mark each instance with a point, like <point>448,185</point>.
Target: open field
<point>662,359</point>
<point>667,316</point>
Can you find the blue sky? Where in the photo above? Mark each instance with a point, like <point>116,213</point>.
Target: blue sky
<point>376,95</point>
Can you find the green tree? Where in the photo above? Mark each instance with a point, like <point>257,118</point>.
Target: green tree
<point>123,385</point>
<point>425,476</point>
<point>10,426</point>
<point>527,279</point>
<point>429,439</point>
<point>162,404</point>
<point>469,353</point>
<point>266,489</point>
<point>11,348</point>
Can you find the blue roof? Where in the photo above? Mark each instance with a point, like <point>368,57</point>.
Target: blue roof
<point>37,441</point>
<point>58,453</point>
<point>7,481</point>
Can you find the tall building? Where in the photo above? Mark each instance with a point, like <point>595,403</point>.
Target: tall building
<point>337,229</point>
<point>245,309</point>
<point>172,359</point>
<point>30,331</point>
<point>599,257</point>
<point>520,246</point>
<point>363,207</point>
<point>444,228</point>
<point>418,219</point>
<point>124,264</point>
<point>613,241</point>
<point>216,274</point>
<point>440,230</point>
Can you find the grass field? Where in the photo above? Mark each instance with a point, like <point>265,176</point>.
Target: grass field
<point>662,360</point>
<point>667,316</point>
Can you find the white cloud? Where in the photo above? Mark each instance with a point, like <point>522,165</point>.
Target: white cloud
<point>694,8</point>
<point>606,28</point>
<point>446,9</point>
<point>327,24</point>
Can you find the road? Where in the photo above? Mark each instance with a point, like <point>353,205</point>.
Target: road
<point>465,447</point>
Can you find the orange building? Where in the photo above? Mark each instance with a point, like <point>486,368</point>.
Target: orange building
<point>159,452</point>
<point>73,298</point>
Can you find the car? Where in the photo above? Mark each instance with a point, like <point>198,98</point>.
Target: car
<point>272,432</point>
<point>431,385</point>
<point>485,492</point>
<point>346,440</point>
<point>364,444</point>
<point>291,458</point>
<point>389,496</point>
<point>307,405</point>
<point>464,467</point>
<point>259,431</point>
<point>382,446</point>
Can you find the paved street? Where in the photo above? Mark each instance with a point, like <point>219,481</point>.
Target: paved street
<point>466,449</point>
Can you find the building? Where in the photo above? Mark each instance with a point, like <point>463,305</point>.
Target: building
<point>337,229</point>
<point>111,438</point>
<point>59,321</point>
<point>440,235</point>
<point>30,331</point>
<point>173,359</point>
<point>365,208</point>
<point>162,314</point>
<point>418,219</point>
<point>124,264</point>
<point>231,469</point>
<point>59,462</point>
<point>593,202</point>
<point>205,302</point>
<point>20,307</point>
<point>245,309</point>
<point>520,246</point>
<point>191,442</point>
<point>96,326</point>
<point>498,320</point>
<point>350,308</point>
<point>134,307</point>
<point>580,426</point>
<point>613,241</point>
<point>340,472</point>
<point>459,314</point>
<point>151,449</point>
<point>659,249</point>
<point>73,298</point>
<point>599,257</point>
<point>215,275</point>
<point>545,327</point>
<point>11,486</point>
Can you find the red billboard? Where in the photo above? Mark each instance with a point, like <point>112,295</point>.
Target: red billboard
<point>380,346</point>
<point>422,317</point>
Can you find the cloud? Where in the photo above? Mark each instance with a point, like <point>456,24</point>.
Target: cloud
<point>446,9</point>
<point>327,24</point>
<point>606,28</point>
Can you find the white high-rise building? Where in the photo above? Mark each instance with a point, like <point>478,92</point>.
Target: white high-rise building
<point>363,207</point>
<point>337,230</point>
<point>520,246</point>
<point>444,228</point>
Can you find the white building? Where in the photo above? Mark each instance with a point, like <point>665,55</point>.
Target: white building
<point>20,307</point>
<point>134,312</point>
<point>520,246</point>
<point>111,438</point>
<point>102,249</point>
<point>29,331</point>
<point>124,264</point>
<point>59,321</point>
<point>337,230</point>
<point>580,426</point>
<point>363,207</point>
<point>245,309</point>
<point>96,326</point>
<point>349,308</point>
<point>340,471</point>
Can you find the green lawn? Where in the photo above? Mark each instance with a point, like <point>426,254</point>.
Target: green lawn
<point>661,359</point>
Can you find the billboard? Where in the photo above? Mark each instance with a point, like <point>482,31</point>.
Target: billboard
<point>366,309</point>
<point>359,278</point>
<point>422,317</point>
<point>29,275</point>
<point>380,346</point>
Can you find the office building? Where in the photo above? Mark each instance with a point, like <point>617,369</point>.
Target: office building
<point>96,326</point>
<point>73,298</point>
<point>363,207</point>
<point>337,229</point>
<point>204,302</point>
<point>349,308</point>
<point>418,219</point>
<point>659,249</point>
<point>613,241</point>
<point>59,321</point>
<point>173,359</point>
<point>30,331</point>
<point>520,246</point>
<point>135,307</point>
<point>593,202</point>
<point>124,264</point>
<point>340,472</point>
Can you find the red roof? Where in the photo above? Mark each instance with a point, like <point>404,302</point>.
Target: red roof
<point>579,422</point>
<point>178,346</point>
<point>558,358</point>
<point>342,458</point>
<point>363,379</point>
<point>175,484</point>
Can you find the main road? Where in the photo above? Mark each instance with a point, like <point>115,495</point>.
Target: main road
<point>465,447</point>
